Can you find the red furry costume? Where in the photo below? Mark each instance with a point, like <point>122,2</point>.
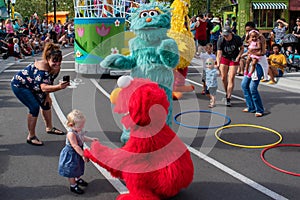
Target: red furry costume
<point>154,163</point>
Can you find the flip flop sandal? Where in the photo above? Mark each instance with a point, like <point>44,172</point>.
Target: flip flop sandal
<point>30,141</point>
<point>212,105</point>
<point>56,131</point>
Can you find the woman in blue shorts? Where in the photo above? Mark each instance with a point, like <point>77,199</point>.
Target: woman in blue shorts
<point>32,86</point>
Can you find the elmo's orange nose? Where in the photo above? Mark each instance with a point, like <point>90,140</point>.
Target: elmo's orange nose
<point>148,19</point>
<point>114,95</point>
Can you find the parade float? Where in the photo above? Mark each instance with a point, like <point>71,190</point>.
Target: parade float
<point>99,31</point>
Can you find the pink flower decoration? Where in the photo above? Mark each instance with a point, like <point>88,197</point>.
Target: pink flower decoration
<point>80,31</point>
<point>103,31</point>
<point>114,50</point>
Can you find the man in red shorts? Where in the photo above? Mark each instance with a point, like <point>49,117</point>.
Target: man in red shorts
<point>229,50</point>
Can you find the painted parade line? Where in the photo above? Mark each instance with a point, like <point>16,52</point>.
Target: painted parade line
<point>121,188</point>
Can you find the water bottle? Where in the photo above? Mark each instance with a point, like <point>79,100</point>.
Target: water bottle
<point>32,52</point>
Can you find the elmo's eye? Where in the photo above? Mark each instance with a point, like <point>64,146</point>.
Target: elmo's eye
<point>153,13</point>
<point>144,14</point>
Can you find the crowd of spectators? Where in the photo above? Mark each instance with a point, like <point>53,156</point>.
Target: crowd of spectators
<point>278,35</point>
<point>26,38</point>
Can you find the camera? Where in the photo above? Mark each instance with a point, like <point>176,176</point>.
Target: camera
<point>66,78</point>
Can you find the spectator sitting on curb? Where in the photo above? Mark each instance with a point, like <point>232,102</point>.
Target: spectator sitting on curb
<point>10,48</point>
<point>63,40</point>
<point>277,63</point>
<point>26,48</point>
<point>293,60</point>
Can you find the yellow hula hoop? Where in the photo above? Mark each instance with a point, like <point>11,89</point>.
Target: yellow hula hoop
<point>248,146</point>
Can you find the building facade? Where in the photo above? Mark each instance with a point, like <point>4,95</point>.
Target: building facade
<point>263,13</point>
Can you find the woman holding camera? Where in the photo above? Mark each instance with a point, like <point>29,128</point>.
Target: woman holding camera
<point>32,86</point>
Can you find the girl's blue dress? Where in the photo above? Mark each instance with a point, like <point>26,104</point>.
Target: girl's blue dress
<point>71,164</point>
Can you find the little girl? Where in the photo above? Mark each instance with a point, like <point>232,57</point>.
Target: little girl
<point>204,56</point>
<point>17,53</point>
<point>71,160</point>
<point>211,81</point>
<point>254,52</point>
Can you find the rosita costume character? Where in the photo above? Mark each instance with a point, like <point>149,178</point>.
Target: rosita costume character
<point>153,54</point>
<point>155,164</point>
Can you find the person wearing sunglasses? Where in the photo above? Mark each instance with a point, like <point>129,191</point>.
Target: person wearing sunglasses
<point>32,86</point>
<point>229,50</point>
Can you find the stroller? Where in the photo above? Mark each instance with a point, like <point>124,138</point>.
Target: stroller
<point>293,57</point>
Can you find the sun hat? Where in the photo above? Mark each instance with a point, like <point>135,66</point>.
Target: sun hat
<point>216,20</point>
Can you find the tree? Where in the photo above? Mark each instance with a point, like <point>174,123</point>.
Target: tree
<point>198,7</point>
<point>28,8</point>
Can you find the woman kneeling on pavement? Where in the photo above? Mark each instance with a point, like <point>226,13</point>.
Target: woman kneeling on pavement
<point>32,86</point>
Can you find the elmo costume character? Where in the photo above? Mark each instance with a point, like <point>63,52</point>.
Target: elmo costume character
<point>155,164</point>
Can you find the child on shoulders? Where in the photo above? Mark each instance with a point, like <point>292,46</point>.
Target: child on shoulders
<point>254,52</point>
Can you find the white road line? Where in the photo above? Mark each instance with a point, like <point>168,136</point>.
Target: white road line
<point>63,62</point>
<point>222,92</point>
<point>72,52</point>
<point>5,67</point>
<point>237,175</point>
<point>195,66</point>
<point>16,70</point>
<point>224,168</point>
<point>100,88</point>
<point>116,183</point>
<point>5,80</point>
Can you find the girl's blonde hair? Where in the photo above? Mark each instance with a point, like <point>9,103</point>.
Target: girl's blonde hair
<point>15,40</point>
<point>210,59</point>
<point>74,117</point>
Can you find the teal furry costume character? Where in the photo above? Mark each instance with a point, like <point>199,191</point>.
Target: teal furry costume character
<point>153,54</point>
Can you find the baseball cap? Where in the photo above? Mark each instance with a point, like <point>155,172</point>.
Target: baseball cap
<point>226,30</point>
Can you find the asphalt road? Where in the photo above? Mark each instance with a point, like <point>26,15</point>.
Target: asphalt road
<point>221,171</point>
